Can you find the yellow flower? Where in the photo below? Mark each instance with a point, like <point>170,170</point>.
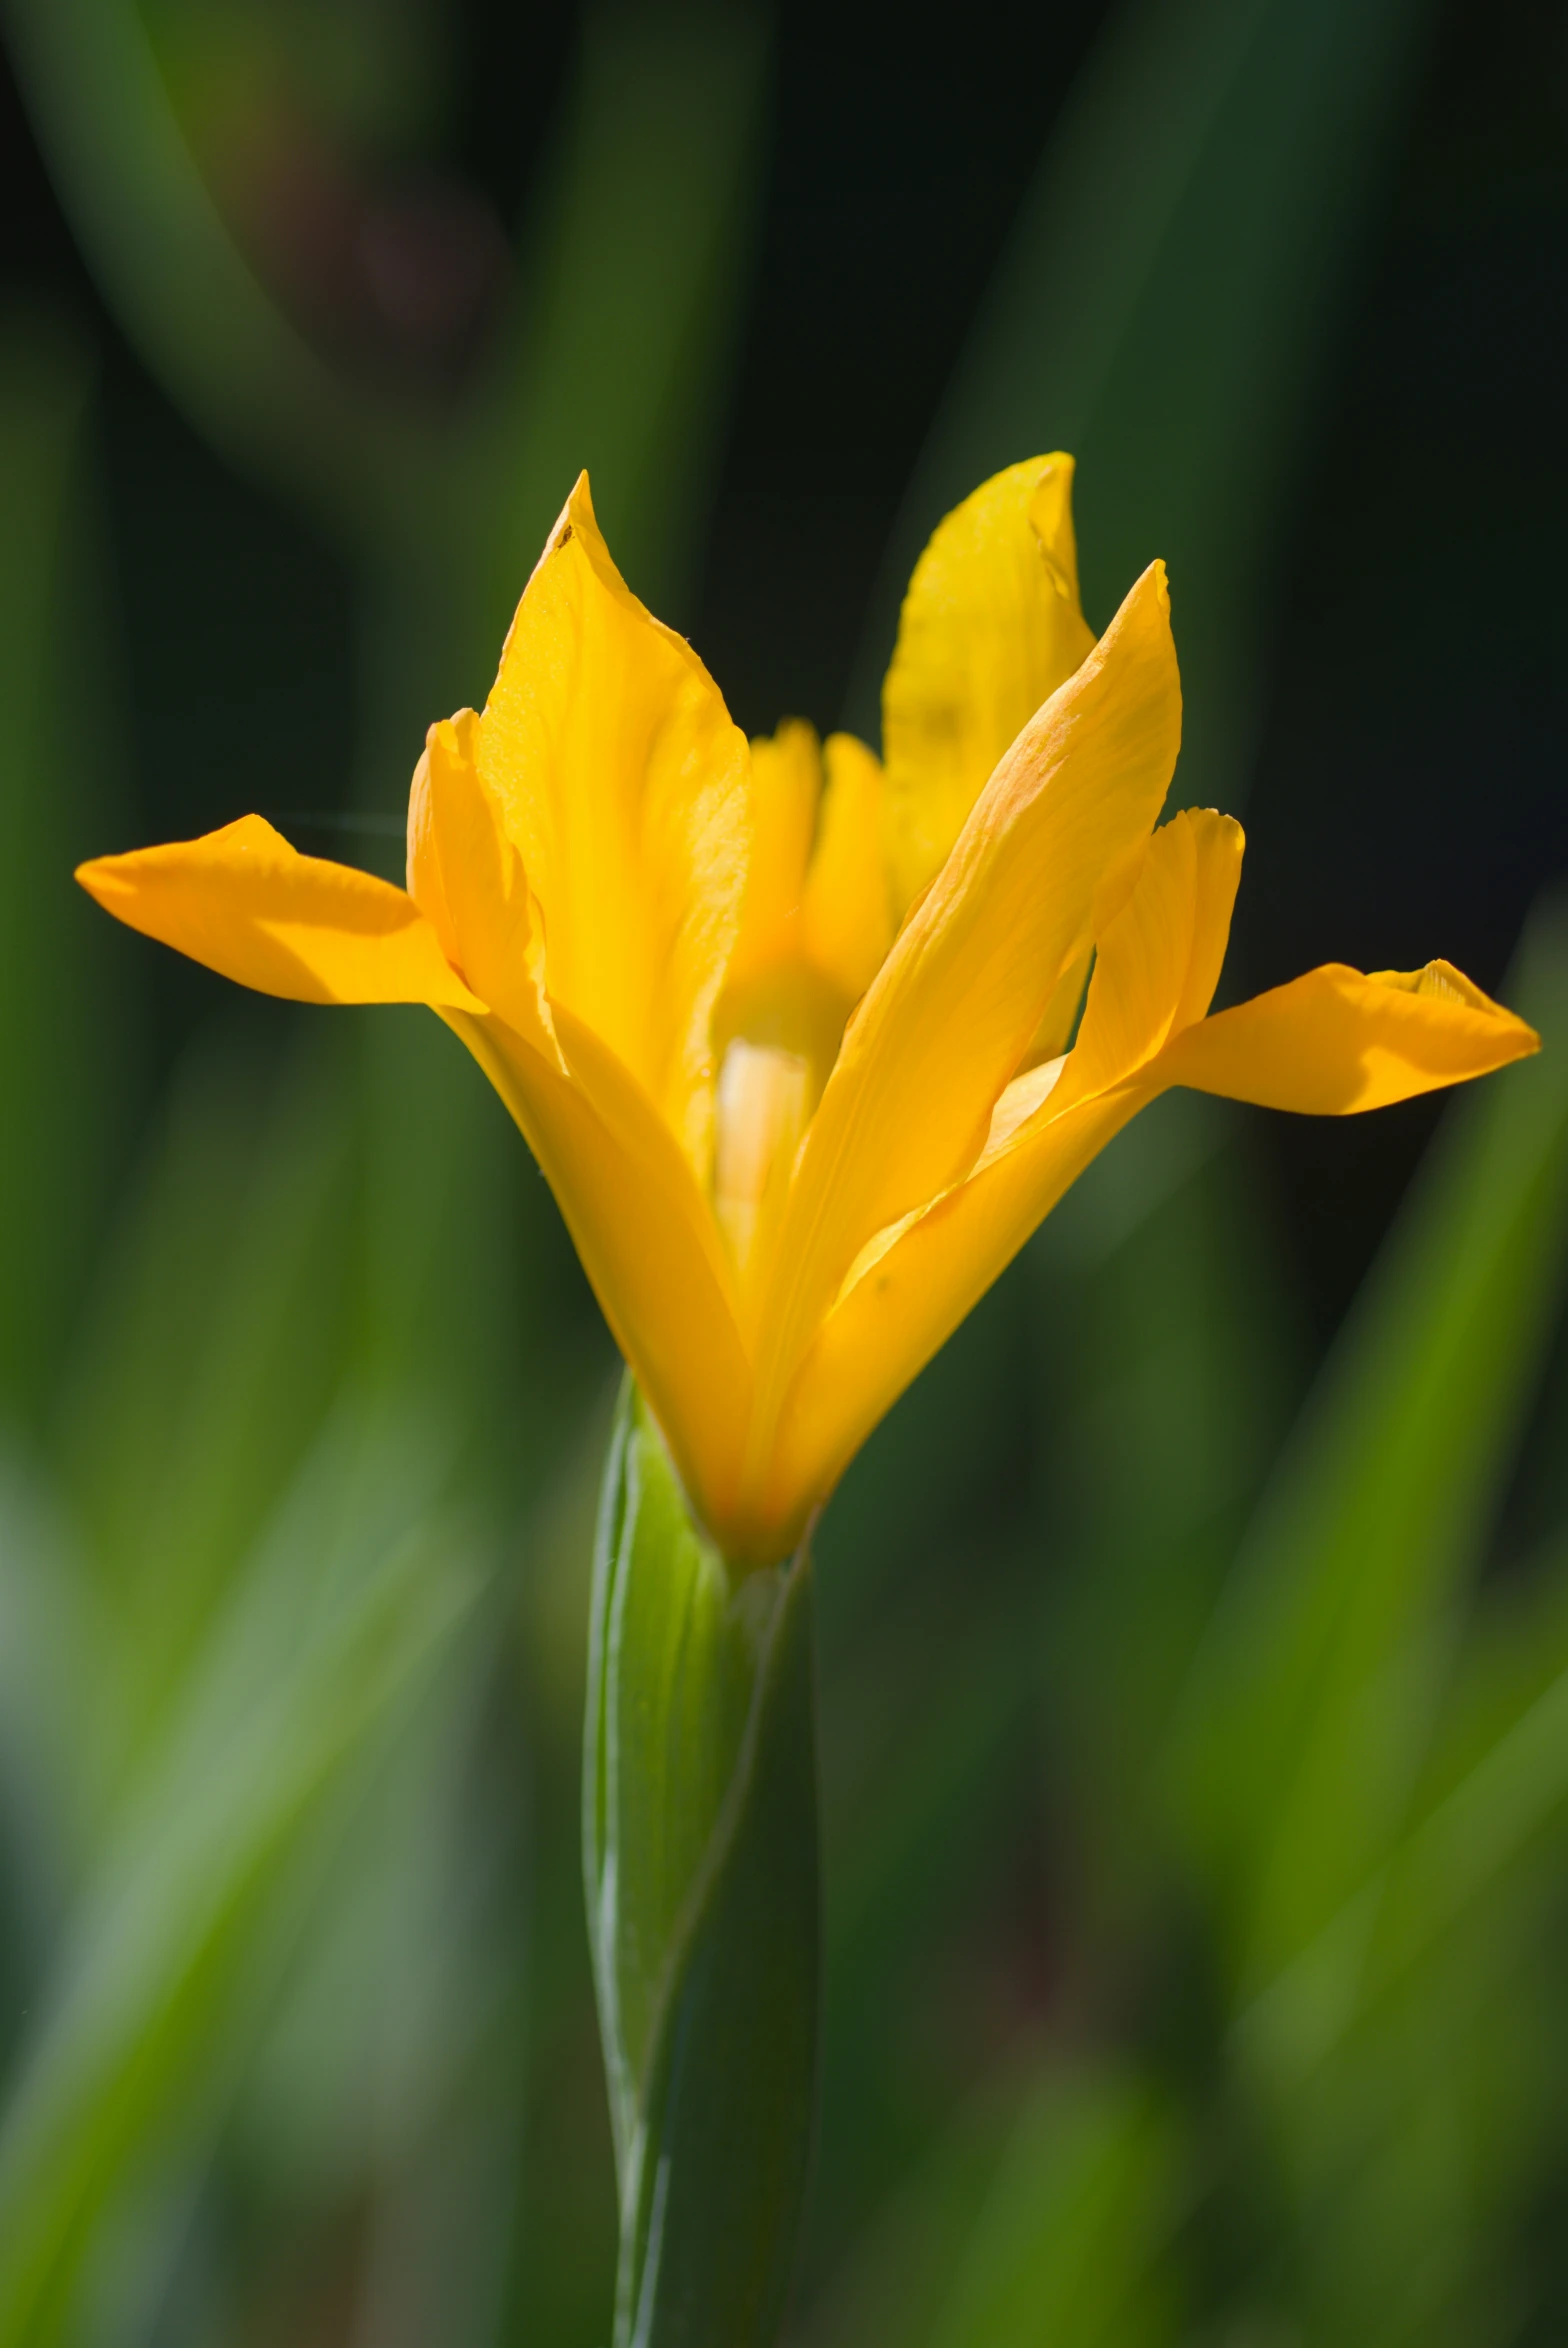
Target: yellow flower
<point>787,1029</point>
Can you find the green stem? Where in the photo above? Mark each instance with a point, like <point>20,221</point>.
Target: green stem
<point>700,1855</point>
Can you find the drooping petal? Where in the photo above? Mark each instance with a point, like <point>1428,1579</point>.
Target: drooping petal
<point>952,1011</point>
<point>247,905</point>
<point>1336,1041</point>
<point>846,924</point>
<point>990,627</point>
<point>624,786</point>
<point>643,1232</point>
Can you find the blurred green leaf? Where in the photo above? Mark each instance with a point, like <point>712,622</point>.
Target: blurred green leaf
<point>65,1037</point>
<point>1082,2203</point>
<point>1311,1711</point>
<point>340,1612</point>
<point>633,273</point>
<point>170,266</point>
<point>1047,2212</point>
<point>213,1340</point>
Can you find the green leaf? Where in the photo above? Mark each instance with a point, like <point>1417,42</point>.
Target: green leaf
<point>64,1042</point>
<point>1046,2213</point>
<point>1310,1717</point>
<point>700,1856</point>
<point>335,1621</point>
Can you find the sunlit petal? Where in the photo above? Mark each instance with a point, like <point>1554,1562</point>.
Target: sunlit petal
<point>909,1294</point>
<point>950,1015</point>
<point>642,1228</point>
<point>786,785</point>
<point>247,905</point>
<point>1336,1041</point>
<point>623,785</point>
<point>1158,961</point>
<point>846,925</point>
<point>990,627</point>
<point>466,872</point>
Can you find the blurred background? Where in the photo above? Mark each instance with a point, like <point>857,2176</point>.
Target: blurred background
<point>1194,1636</point>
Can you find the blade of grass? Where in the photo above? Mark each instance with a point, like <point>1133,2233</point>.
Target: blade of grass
<point>1308,1718</point>
<point>65,1038</point>
<point>322,1641</point>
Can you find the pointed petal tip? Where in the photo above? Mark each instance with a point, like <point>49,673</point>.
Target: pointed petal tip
<point>108,880</point>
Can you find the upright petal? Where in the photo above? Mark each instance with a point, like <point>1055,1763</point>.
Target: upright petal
<point>641,1224</point>
<point>990,627</point>
<point>466,874</point>
<point>846,928</point>
<point>1335,1041</point>
<point>624,787</point>
<point>786,785</point>
<point>1157,964</point>
<point>953,1009</point>
<point>909,1296</point>
<point>1159,958</point>
<point>247,905</point>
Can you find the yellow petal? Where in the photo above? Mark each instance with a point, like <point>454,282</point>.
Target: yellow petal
<point>1060,1015</point>
<point>1158,961</point>
<point>607,750</point>
<point>645,1236</point>
<point>908,1296</point>
<point>1157,964</point>
<point>786,784</point>
<point>990,627</point>
<point>243,902</point>
<point>1336,1041</point>
<point>466,874</point>
<point>846,926</point>
<point>952,1011</point>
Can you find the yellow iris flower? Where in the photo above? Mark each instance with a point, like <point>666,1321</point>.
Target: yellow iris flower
<point>787,1028</point>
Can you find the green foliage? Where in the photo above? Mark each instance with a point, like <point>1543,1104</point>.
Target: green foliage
<point>700,1856</point>
<point>65,1045</point>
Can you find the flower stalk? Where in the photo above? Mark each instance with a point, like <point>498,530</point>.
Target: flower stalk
<point>701,1874</point>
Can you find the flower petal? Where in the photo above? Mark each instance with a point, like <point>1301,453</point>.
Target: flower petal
<point>1158,961</point>
<point>646,1238</point>
<point>904,1302</point>
<point>466,874</point>
<point>1157,964</point>
<point>247,905</point>
<point>846,924</point>
<point>623,785</point>
<point>990,627</point>
<point>1336,1041</point>
<point>952,1011</point>
<point>786,785</point>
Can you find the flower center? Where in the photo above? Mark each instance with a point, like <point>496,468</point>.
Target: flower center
<point>778,1035</point>
<point>765,1099</point>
